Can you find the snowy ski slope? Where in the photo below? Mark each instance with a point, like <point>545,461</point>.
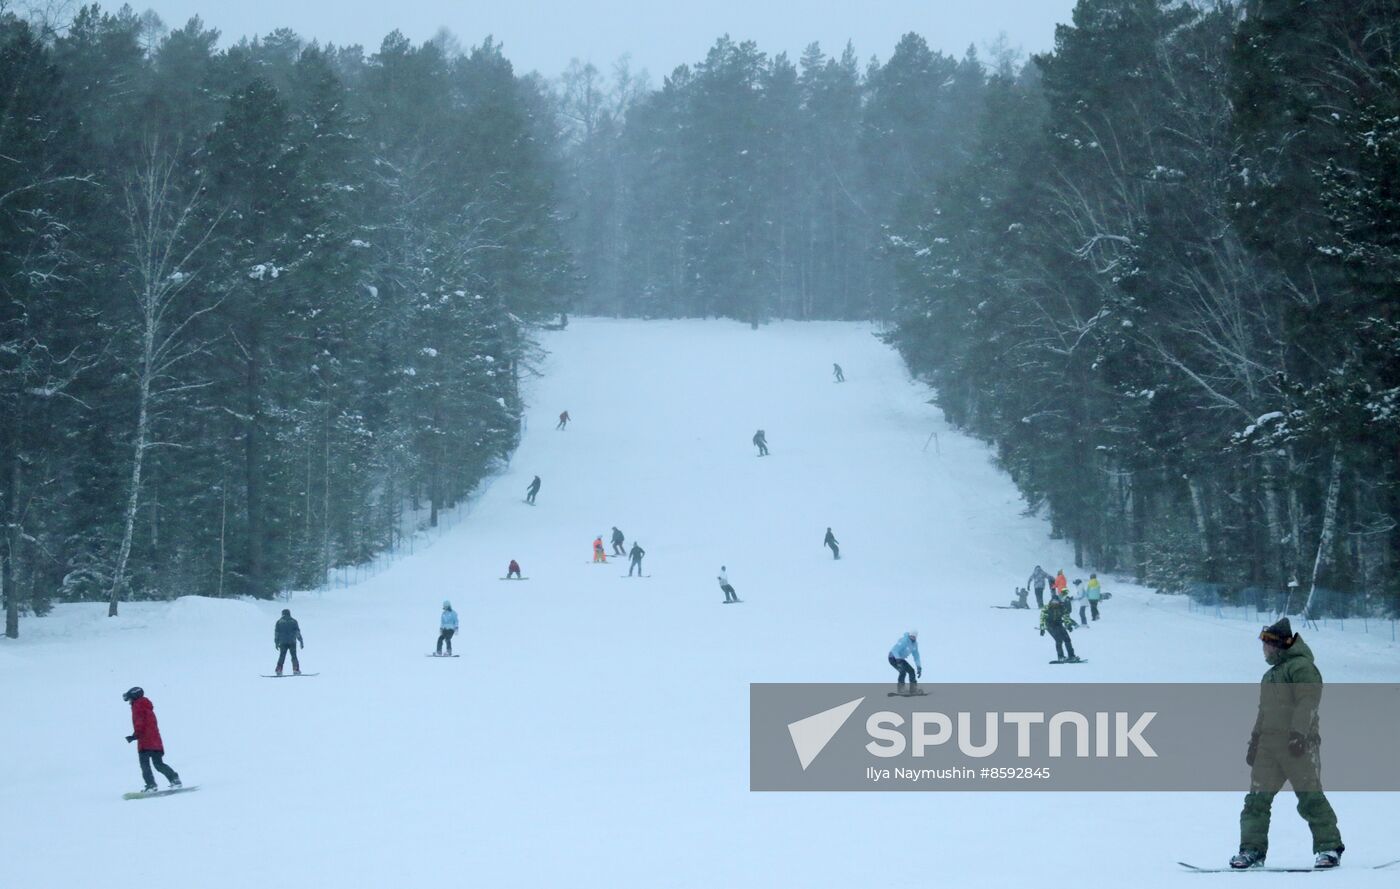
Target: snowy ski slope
<point>594,733</point>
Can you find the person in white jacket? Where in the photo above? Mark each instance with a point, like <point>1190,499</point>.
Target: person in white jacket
<point>729,594</point>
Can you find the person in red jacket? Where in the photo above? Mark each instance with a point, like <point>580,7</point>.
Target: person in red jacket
<point>1061,584</point>
<point>146,733</point>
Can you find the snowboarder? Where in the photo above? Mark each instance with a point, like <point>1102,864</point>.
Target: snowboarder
<point>617,539</point>
<point>447,628</point>
<point>1093,591</point>
<point>286,635</point>
<point>761,440</point>
<point>145,731</point>
<point>1285,746</point>
<point>836,369</point>
<point>1060,583</point>
<point>1020,600</point>
<point>599,555</point>
<point>563,420</point>
<point>512,571</point>
<point>1056,618</point>
<point>830,541</point>
<point>1038,579</point>
<point>636,556</point>
<point>729,594</point>
<point>907,647</point>
<point>531,491</point>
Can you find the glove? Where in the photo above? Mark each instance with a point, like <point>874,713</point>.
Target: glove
<point>1042,631</point>
<point>303,646</point>
<point>1297,744</point>
<point>919,673</point>
<point>1253,749</point>
<point>130,738</point>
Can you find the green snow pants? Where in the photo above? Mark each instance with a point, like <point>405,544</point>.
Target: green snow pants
<point>1274,765</point>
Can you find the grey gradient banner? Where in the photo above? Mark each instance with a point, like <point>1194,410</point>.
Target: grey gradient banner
<point>1078,737</point>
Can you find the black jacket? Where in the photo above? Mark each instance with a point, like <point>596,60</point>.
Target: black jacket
<point>637,553</point>
<point>287,631</point>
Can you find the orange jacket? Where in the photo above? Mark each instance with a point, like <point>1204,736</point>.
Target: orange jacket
<point>1060,583</point>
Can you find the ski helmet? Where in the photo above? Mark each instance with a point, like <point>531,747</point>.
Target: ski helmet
<point>446,605</point>
<point>913,634</point>
<point>133,693</point>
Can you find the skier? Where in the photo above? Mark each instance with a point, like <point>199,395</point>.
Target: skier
<point>1093,591</point>
<point>598,554</point>
<point>531,491</point>
<point>836,369</point>
<point>512,571</point>
<point>1083,604</point>
<point>904,649</point>
<point>563,420</point>
<point>1284,746</point>
<point>761,440</point>
<point>617,539</point>
<point>447,628</point>
<point>286,634</point>
<point>1038,579</point>
<point>729,594</point>
<point>636,557</point>
<point>1055,617</point>
<point>830,541</point>
<point>1061,585</point>
<point>145,731</point>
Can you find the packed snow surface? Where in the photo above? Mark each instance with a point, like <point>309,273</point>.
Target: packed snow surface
<point>594,731</point>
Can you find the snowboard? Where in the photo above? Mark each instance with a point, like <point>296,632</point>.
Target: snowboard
<point>1278,870</point>
<point>904,694</point>
<point>634,575</point>
<point>286,676</point>
<point>1082,660</point>
<point>1013,607</point>
<point>146,794</point>
<point>512,578</point>
<point>732,602</point>
<point>430,654</point>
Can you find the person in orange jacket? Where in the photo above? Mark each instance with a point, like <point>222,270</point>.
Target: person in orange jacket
<point>599,554</point>
<point>1060,583</point>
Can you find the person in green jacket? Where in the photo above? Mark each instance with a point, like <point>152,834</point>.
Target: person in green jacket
<point>1285,746</point>
<point>1056,618</point>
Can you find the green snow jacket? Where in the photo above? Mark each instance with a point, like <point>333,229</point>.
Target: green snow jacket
<point>1289,694</point>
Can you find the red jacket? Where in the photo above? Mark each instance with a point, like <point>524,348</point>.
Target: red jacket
<point>143,725</point>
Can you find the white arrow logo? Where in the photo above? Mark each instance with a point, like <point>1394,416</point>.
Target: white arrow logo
<point>811,735</point>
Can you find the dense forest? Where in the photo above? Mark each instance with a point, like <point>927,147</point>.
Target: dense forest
<point>265,306</point>
<point>262,307</point>
<point>1156,267</point>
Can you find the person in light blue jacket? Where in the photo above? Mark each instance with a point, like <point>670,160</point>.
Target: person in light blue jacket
<point>448,626</point>
<point>907,647</point>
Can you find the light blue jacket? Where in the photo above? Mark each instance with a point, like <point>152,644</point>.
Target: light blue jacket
<point>906,648</point>
<point>449,619</point>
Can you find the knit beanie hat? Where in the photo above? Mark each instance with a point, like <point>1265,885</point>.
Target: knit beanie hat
<point>1280,634</point>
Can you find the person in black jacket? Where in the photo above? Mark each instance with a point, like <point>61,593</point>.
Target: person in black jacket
<point>531,491</point>
<point>286,635</point>
<point>831,542</point>
<point>617,539</point>
<point>1056,618</point>
<point>836,369</point>
<point>636,556</point>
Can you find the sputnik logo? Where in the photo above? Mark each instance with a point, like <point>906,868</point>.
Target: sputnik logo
<point>811,735</point>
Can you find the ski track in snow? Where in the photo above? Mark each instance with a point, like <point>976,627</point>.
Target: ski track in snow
<point>594,731</point>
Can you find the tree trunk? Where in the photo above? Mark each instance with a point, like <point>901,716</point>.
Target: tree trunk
<point>252,468</point>
<point>1329,529</point>
<point>138,456</point>
<point>8,569</point>
<point>1198,513</point>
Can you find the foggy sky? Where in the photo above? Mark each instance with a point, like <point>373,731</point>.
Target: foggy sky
<point>543,35</point>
